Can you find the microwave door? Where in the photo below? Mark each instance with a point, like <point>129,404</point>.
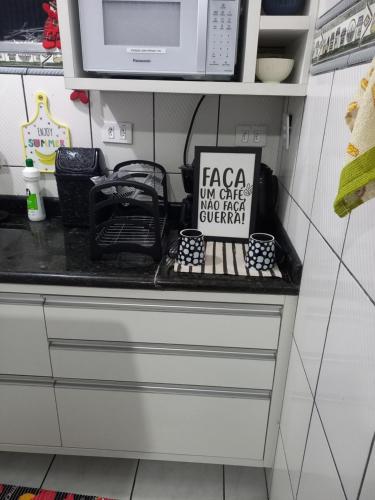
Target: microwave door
<point>144,37</point>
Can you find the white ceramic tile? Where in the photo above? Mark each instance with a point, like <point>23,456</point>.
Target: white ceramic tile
<point>123,107</point>
<point>345,85</point>
<point>297,407</point>
<point>368,488</point>
<point>288,156</point>
<point>317,288</point>
<point>297,229</point>
<point>281,488</point>
<point>176,191</point>
<point>22,469</point>
<point>283,206</point>
<point>104,477</point>
<point>311,139</point>
<point>12,116</point>
<point>11,182</point>
<point>173,113</point>
<point>177,480</point>
<point>359,249</point>
<point>73,114</point>
<point>252,110</point>
<point>346,389</point>
<point>245,483</point>
<point>319,478</point>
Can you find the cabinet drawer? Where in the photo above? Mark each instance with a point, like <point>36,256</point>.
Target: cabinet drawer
<point>160,363</point>
<point>119,418</point>
<point>28,413</point>
<point>23,339</point>
<point>175,322</point>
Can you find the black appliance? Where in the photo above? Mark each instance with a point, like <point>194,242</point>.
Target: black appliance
<point>267,198</point>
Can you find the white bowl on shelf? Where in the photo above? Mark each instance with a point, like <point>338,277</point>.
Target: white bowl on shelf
<point>273,69</point>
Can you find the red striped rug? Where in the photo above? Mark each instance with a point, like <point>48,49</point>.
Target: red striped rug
<point>9,492</point>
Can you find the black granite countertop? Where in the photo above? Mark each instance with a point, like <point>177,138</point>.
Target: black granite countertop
<point>46,253</point>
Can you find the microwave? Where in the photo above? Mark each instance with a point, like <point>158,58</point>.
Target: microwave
<point>177,38</point>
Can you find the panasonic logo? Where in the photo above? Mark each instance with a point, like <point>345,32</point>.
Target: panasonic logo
<point>142,60</point>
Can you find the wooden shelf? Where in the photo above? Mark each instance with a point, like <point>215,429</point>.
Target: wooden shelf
<point>186,87</point>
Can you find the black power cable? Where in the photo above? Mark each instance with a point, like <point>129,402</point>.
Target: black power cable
<point>188,137</point>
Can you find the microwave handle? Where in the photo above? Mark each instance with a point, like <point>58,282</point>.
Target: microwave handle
<point>202,32</point>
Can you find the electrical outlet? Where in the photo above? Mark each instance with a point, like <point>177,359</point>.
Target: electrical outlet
<point>259,135</point>
<point>121,133</point>
<point>251,135</point>
<point>126,133</point>
<point>243,135</point>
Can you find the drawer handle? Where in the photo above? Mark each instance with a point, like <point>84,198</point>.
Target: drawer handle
<point>163,349</point>
<point>26,380</point>
<point>189,390</point>
<point>169,306</point>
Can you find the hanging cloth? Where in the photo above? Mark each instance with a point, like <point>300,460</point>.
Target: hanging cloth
<point>357,181</point>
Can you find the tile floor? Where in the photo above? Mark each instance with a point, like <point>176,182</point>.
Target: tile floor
<point>132,479</point>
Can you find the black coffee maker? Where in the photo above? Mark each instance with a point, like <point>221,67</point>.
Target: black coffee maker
<point>267,198</point>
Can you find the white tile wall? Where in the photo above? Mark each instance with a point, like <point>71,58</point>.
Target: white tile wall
<point>12,116</point>
<point>283,206</point>
<point>288,157</point>
<point>368,488</point>
<point>123,107</point>
<point>310,145</point>
<point>281,487</point>
<point>346,389</point>
<point>319,478</point>
<point>237,110</point>
<point>297,229</point>
<point>315,300</point>
<point>359,252</point>
<point>160,123</point>
<point>336,454</point>
<point>298,403</point>
<point>11,182</point>
<point>173,114</point>
<point>336,139</point>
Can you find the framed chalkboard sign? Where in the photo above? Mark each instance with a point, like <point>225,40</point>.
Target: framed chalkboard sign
<point>225,191</point>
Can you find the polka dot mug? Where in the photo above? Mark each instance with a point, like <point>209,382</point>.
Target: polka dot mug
<point>191,250</point>
<point>261,252</point>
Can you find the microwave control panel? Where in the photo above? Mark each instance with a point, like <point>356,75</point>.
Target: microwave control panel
<point>223,19</point>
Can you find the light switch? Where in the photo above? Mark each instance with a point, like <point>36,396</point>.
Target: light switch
<point>251,135</point>
<point>121,133</point>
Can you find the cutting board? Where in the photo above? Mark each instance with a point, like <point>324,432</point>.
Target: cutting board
<point>43,135</point>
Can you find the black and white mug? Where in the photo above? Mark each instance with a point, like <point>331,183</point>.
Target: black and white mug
<point>261,252</point>
<point>191,250</point>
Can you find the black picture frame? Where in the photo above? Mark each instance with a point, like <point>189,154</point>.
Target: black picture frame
<point>253,151</point>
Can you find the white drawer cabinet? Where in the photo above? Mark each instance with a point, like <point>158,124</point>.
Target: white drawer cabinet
<point>195,323</point>
<point>144,374</point>
<point>115,418</point>
<point>28,413</point>
<point>23,339</point>
<point>161,363</point>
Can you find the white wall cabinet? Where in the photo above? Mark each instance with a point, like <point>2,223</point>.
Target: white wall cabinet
<point>177,376</point>
<point>292,34</point>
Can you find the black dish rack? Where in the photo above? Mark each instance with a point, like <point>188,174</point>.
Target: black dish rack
<point>136,215</point>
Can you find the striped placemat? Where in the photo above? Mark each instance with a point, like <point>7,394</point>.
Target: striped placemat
<point>227,258</point>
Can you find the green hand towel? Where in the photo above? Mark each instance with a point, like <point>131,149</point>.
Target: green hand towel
<point>357,181</point>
